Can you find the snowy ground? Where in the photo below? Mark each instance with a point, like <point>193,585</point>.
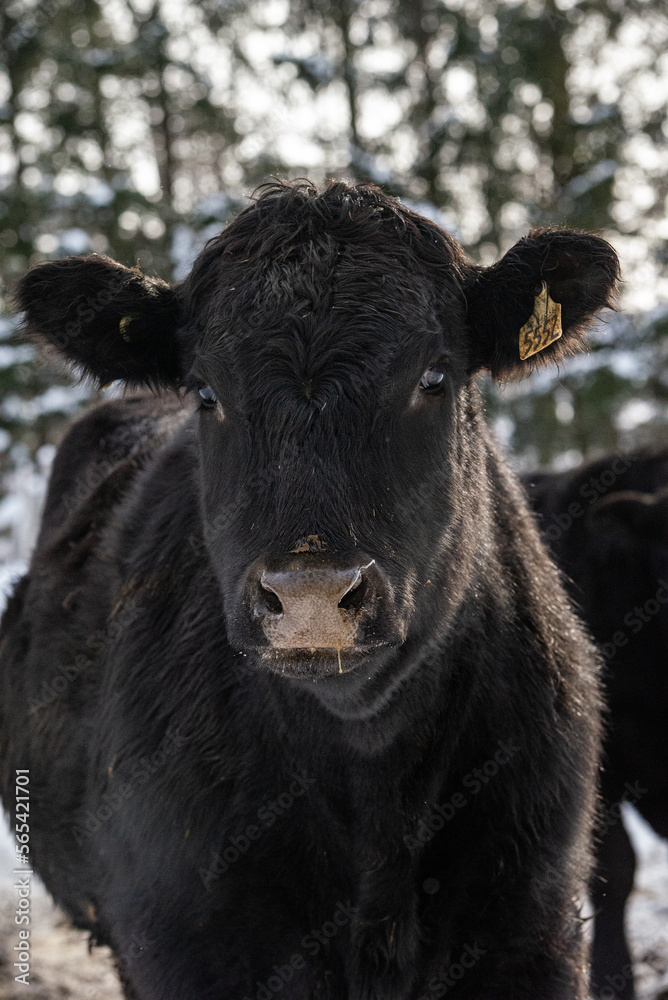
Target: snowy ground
<point>62,965</point>
<point>648,909</point>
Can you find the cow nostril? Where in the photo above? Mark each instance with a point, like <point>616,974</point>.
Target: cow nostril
<point>270,601</point>
<point>353,598</point>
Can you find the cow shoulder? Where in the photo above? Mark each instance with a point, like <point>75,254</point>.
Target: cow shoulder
<point>98,461</point>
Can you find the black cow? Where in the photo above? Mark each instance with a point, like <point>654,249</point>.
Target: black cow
<point>303,702</point>
<point>607,523</point>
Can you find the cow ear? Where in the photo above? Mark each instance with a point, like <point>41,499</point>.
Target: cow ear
<point>535,305</point>
<point>109,321</point>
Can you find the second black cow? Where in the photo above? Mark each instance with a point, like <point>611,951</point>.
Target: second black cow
<point>607,523</point>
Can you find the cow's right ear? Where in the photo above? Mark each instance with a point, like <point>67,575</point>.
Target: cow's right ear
<point>109,321</point>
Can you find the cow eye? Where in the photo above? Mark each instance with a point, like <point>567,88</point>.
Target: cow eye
<point>431,379</point>
<point>208,396</point>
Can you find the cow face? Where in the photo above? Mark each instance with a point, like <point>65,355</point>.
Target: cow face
<point>330,341</point>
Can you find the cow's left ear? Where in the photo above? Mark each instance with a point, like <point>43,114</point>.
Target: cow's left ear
<point>106,320</point>
<point>535,305</point>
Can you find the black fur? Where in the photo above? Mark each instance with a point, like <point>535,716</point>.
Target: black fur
<point>607,523</point>
<point>159,755</point>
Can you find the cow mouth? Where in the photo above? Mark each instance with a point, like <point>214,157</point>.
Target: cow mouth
<point>313,664</point>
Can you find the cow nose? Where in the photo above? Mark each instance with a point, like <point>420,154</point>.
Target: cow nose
<point>316,607</point>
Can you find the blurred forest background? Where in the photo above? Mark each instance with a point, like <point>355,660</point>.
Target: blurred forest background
<point>137,127</point>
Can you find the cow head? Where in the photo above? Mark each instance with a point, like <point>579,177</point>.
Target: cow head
<point>331,342</point>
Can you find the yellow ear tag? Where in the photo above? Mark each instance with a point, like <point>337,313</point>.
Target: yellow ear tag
<point>543,326</point>
<point>123,325</point>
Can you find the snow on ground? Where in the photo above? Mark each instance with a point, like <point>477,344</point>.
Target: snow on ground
<point>647,914</point>
<point>62,965</point>
<point>9,573</point>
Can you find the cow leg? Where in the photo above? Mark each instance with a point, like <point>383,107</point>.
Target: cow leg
<point>128,991</point>
<point>172,978</point>
<point>612,968</point>
<point>190,958</point>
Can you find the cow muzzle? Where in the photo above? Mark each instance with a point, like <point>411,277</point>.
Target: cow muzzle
<point>306,604</point>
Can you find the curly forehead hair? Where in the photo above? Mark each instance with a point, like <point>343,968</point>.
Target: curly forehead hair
<point>285,218</point>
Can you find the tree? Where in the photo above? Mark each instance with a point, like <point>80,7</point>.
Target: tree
<point>135,128</point>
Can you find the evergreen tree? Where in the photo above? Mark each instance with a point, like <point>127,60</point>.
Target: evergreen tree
<point>135,128</point>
